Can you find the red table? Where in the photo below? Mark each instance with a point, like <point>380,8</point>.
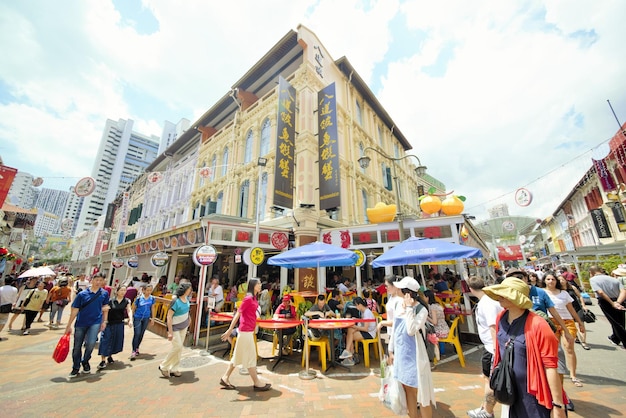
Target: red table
<point>222,316</point>
<point>278,325</point>
<point>333,324</point>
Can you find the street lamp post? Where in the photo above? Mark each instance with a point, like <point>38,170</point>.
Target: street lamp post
<point>364,162</point>
<point>261,162</point>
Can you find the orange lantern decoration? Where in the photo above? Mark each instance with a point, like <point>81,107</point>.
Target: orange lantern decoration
<point>453,205</point>
<point>430,204</point>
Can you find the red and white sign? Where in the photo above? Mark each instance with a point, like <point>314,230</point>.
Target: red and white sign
<point>523,197</point>
<point>204,255</point>
<point>85,186</point>
<point>205,172</point>
<point>280,240</point>
<point>155,177</point>
<point>510,253</point>
<point>7,174</point>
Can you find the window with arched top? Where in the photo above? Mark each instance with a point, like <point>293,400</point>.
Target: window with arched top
<point>263,196</point>
<point>266,130</point>
<point>220,198</point>
<point>244,194</point>
<point>247,152</point>
<point>225,162</point>
<point>213,168</point>
<point>364,200</point>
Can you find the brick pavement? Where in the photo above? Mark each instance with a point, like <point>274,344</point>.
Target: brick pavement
<point>33,384</point>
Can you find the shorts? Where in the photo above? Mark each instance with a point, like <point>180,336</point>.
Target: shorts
<point>487,362</point>
<point>3,318</point>
<point>366,335</point>
<point>571,328</point>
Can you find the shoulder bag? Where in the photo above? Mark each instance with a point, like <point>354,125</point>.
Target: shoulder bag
<point>502,380</point>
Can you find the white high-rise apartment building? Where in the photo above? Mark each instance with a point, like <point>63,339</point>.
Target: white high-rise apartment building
<point>499,211</point>
<point>52,201</point>
<point>122,156</point>
<point>22,192</point>
<point>72,209</point>
<point>171,132</point>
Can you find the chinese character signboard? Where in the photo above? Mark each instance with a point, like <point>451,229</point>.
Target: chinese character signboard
<point>328,148</point>
<point>619,214</point>
<point>600,223</point>
<point>286,131</point>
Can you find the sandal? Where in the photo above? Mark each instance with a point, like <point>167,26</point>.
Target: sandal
<point>577,382</point>
<point>585,346</point>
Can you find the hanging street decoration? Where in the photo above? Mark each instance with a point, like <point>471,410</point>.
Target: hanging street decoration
<point>38,181</point>
<point>85,186</point>
<point>381,213</point>
<point>155,177</point>
<point>523,197</point>
<point>205,172</point>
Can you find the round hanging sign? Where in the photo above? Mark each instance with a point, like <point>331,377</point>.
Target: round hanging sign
<point>37,181</point>
<point>133,262</point>
<point>279,240</point>
<point>204,255</point>
<point>205,172</point>
<point>159,259</point>
<point>117,263</point>
<point>508,226</point>
<point>246,257</point>
<point>85,186</point>
<point>523,197</point>
<point>361,260</point>
<point>155,177</point>
<point>66,224</point>
<point>257,256</point>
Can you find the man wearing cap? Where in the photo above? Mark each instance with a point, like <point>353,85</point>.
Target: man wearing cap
<point>538,384</point>
<point>611,294</point>
<point>288,311</point>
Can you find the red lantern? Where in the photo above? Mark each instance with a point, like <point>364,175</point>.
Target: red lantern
<point>19,261</point>
<point>243,236</point>
<point>432,232</point>
<point>3,251</point>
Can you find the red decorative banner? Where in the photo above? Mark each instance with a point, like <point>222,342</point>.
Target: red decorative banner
<point>7,174</point>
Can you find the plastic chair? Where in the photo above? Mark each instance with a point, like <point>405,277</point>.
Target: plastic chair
<point>323,346</point>
<point>366,346</point>
<point>453,338</point>
<point>275,344</point>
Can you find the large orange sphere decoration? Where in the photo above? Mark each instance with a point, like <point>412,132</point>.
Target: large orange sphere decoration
<point>430,204</point>
<point>452,205</point>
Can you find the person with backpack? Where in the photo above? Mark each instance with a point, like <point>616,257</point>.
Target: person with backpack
<point>58,297</point>
<point>536,381</point>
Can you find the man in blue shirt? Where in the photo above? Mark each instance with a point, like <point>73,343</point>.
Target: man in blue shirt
<point>90,309</point>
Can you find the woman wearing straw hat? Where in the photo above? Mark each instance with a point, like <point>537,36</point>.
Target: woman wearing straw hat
<point>538,385</point>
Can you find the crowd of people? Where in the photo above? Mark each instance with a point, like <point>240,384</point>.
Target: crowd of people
<point>539,313</point>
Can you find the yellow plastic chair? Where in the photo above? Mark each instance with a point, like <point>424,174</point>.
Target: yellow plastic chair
<point>275,344</point>
<point>453,338</point>
<point>366,346</point>
<point>323,346</point>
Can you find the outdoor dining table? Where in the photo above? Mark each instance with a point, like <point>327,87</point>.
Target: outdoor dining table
<point>331,324</point>
<point>278,325</point>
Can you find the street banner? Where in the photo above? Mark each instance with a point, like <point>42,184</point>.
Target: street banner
<point>7,174</point>
<point>328,148</point>
<point>600,223</point>
<point>285,145</point>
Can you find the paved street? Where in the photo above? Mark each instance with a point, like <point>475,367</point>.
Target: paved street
<point>34,385</point>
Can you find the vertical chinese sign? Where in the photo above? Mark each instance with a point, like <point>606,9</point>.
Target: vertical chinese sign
<point>124,218</point>
<point>7,174</point>
<point>286,131</point>
<point>328,148</point>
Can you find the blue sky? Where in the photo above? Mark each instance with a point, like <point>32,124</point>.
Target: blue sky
<point>493,95</point>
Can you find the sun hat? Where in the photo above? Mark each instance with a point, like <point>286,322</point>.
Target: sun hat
<point>408,283</point>
<point>512,289</point>
<point>620,271</point>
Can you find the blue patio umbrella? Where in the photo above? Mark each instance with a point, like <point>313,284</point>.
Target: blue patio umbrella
<point>423,250</point>
<point>315,254</point>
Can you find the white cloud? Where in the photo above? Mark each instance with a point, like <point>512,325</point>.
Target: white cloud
<point>524,90</point>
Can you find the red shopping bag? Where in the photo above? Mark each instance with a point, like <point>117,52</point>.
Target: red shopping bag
<point>62,348</point>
